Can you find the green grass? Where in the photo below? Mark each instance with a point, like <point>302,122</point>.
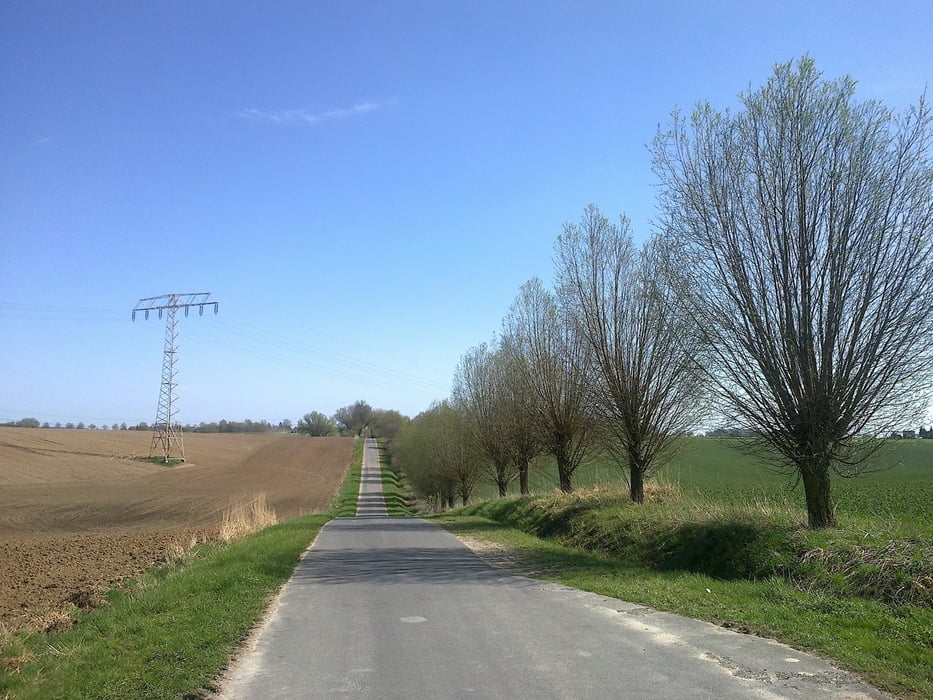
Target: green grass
<point>167,636</point>
<point>344,503</point>
<point>860,594</point>
<point>714,468</point>
<point>172,462</point>
<point>398,495</point>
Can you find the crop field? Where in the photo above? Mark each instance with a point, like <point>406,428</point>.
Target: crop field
<point>81,511</point>
<point>900,487</point>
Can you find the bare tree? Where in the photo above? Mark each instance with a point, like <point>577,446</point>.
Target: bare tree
<point>806,219</point>
<point>414,454</point>
<point>496,398</point>
<point>456,451</point>
<point>355,418</point>
<point>553,362</point>
<point>436,453</point>
<point>520,427</point>
<point>645,349</point>
<point>477,387</point>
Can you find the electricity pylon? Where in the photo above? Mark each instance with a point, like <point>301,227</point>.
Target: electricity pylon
<point>165,434</point>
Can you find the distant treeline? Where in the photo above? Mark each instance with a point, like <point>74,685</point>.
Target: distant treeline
<point>921,433</point>
<point>222,426</point>
<point>244,426</point>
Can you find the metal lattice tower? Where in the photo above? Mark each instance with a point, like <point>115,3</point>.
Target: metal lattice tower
<point>165,433</point>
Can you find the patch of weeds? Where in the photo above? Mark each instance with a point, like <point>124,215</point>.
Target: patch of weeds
<point>246,517</point>
<point>172,461</point>
<point>344,503</point>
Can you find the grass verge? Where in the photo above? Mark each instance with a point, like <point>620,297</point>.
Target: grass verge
<point>344,503</point>
<point>399,499</point>
<point>167,636</point>
<point>740,569</point>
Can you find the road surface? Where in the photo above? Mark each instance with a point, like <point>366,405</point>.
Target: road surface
<point>398,608</point>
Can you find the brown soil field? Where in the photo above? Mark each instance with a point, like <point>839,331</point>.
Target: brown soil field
<point>80,511</point>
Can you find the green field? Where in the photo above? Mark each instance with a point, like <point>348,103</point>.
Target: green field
<point>716,468</point>
<point>723,538</point>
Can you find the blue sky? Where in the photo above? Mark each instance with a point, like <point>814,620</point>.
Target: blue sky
<point>363,186</point>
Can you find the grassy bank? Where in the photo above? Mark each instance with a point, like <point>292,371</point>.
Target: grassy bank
<point>400,501</point>
<point>168,635</point>
<point>344,503</point>
<point>861,594</point>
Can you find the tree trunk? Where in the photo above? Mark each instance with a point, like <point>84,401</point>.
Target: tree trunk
<point>564,474</point>
<point>523,479</point>
<point>636,469</point>
<point>502,480</point>
<point>816,488</point>
<point>637,484</point>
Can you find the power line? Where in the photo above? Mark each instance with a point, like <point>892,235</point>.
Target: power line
<point>287,351</point>
<point>254,342</point>
<point>47,312</point>
<point>306,364</point>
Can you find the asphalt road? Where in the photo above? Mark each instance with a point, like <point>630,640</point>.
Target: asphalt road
<point>398,608</point>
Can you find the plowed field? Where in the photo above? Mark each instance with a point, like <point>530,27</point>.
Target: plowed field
<point>81,512</point>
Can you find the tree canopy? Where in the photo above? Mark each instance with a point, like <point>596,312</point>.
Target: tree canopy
<point>805,221</point>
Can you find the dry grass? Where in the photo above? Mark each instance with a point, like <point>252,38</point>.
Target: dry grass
<point>247,517</point>
<point>178,553</point>
<point>53,621</point>
<point>896,573</point>
<point>607,494</point>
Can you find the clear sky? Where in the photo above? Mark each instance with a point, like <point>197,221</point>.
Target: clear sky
<point>363,186</point>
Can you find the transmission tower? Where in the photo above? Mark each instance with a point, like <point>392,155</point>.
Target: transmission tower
<point>165,433</point>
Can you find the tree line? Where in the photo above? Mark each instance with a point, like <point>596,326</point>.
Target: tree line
<point>356,419</point>
<point>221,426</point>
<point>351,420</point>
<point>787,291</point>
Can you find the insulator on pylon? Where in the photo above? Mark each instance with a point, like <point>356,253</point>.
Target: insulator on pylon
<point>215,308</point>
<point>200,309</point>
<point>134,314</point>
<point>186,311</point>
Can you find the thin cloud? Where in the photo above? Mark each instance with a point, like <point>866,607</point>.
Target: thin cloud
<point>309,117</point>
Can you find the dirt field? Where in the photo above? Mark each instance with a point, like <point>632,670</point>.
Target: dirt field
<point>79,512</point>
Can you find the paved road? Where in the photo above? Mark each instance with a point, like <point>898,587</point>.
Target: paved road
<point>370,502</point>
<point>399,608</point>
